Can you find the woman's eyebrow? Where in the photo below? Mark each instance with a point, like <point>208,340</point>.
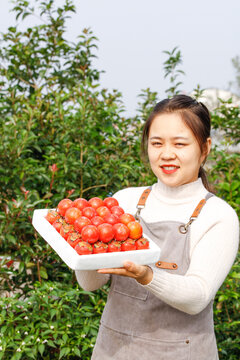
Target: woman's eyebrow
<point>172,138</point>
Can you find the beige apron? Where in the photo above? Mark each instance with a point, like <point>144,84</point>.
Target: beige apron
<point>136,325</point>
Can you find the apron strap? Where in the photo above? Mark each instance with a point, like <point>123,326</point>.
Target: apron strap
<point>184,228</point>
<point>142,201</point>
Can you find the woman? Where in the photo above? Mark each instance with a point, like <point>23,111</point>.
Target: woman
<point>165,310</point>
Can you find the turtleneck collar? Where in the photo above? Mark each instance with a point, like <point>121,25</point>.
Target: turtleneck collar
<point>180,194</point>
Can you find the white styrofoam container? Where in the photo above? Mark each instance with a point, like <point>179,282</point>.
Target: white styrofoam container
<point>94,261</point>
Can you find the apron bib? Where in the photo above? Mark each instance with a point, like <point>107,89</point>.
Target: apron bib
<point>136,325</point>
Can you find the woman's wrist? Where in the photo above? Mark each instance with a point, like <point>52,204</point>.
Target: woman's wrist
<point>147,276</point>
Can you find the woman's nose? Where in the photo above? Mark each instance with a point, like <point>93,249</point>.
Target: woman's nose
<point>168,153</point>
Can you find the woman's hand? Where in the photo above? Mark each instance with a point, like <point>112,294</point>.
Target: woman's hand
<point>142,273</point>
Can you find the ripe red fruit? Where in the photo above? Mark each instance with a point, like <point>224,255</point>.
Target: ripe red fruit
<point>80,203</point>
<point>72,214</point>
<point>90,234</point>
<point>83,248</point>
<point>126,218</point>
<point>110,202</point>
<point>80,222</point>
<point>57,224</point>
<point>117,211</point>
<point>110,219</point>
<point>63,205</point>
<point>142,243</point>
<point>106,232</point>
<point>128,245</point>
<point>135,230</point>
<point>96,202</point>
<point>73,238</point>
<point>103,211</point>
<point>114,246</point>
<point>89,212</point>
<point>97,220</point>
<point>100,247</point>
<point>65,230</point>
<point>121,232</point>
<point>52,216</point>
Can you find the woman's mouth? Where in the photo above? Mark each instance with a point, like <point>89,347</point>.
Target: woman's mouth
<point>169,169</point>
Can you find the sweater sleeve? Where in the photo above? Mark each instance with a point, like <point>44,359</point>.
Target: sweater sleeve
<point>91,280</point>
<point>211,261</point>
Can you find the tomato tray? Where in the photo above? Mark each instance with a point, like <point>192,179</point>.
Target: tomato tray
<point>93,261</point>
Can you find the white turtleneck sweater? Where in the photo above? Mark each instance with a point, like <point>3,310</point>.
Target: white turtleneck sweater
<point>213,244</point>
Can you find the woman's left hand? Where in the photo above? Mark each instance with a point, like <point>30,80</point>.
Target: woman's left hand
<point>142,273</point>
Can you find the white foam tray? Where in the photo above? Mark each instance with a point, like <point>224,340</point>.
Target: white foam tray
<point>94,261</point>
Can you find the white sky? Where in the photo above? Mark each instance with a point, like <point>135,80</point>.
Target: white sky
<point>134,33</point>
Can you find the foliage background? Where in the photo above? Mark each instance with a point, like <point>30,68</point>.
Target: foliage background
<point>64,136</point>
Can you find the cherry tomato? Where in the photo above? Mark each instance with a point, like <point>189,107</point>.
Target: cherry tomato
<point>73,238</point>
<point>97,220</point>
<point>72,214</point>
<point>96,202</point>
<point>121,232</point>
<point>58,224</point>
<point>89,212</point>
<point>106,232</point>
<point>114,246</point>
<point>90,234</point>
<point>128,245</point>
<point>117,211</point>
<point>142,243</point>
<point>110,202</point>
<point>103,211</point>
<point>99,247</point>
<point>63,205</point>
<point>52,216</point>
<point>126,218</point>
<point>83,248</point>
<point>110,219</point>
<point>65,230</point>
<point>80,203</point>
<point>80,222</point>
<point>135,230</point>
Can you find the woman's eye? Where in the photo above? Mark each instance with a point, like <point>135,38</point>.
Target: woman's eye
<point>179,144</point>
<point>156,143</point>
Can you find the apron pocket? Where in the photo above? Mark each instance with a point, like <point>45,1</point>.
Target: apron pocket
<point>160,350</point>
<point>129,287</point>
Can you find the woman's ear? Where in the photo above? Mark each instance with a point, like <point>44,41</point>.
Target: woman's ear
<point>208,145</point>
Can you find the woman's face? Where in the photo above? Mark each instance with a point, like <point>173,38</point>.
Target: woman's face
<point>174,153</point>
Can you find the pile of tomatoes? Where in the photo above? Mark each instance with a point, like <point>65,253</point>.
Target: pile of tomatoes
<point>97,226</point>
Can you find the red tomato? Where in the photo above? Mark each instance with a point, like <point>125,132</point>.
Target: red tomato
<point>97,220</point>
<point>129,245</point>
<point>117,211</point>
<point>96,202</point>
<point>142,243</point>
<point>110,219</point>
<point>63,205</point>
<point>100,247</point>
<point>80,222</point>
<point>57,224</point>
<point>73,239</point>
<point>135,230</point>
<point>114,246</point>
<point>106,232</point>
<point>89,212</point>
<point>65,230</point>
<point>90,234</point>
<point>83,248</point>
<point>80,203</point>
<point>121,232</point>
<point>52,216</point>
<point>72,214</point>
<point>126,218</point>
<point>110,202</point>
<point>103,211</point>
